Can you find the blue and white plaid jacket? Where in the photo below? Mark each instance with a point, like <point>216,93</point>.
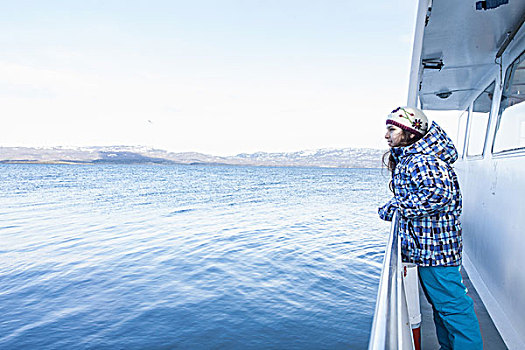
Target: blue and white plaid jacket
<point>427,196</point>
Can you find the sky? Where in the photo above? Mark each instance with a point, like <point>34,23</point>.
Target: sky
<point>217,77</point>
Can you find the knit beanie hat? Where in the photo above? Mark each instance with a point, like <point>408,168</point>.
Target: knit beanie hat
<point>410,119</point>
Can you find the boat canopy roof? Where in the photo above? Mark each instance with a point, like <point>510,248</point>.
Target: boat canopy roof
<point>460,41</point>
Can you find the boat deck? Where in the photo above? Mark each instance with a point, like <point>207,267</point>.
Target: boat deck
<point>491,337</point>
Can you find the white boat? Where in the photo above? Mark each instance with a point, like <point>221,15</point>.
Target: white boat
<point>469,60</point>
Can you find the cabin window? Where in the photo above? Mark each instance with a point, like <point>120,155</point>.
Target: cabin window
<point>462,130</point>
<point>479,120</point>
<point>510,130</point>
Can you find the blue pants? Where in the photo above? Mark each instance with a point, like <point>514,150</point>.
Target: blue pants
<point>457,326</point>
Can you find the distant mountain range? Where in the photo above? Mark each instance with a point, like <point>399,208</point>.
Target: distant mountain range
<point>327,157</point>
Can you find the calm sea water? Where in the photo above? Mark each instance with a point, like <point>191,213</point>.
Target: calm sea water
<point>188,257</point>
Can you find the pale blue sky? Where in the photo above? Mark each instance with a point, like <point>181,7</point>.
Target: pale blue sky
<point>219,77</point>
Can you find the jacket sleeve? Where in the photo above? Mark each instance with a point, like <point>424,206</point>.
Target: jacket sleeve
<point>387,211</point>
<point>432,189</point>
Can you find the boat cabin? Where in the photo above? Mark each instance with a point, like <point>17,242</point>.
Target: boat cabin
<point>468,63</point>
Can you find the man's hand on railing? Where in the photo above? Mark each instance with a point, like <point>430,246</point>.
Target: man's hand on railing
<point>387,211</point>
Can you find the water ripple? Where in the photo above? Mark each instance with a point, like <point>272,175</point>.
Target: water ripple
<point>169,257</point>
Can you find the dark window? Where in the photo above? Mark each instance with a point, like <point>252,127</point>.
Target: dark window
<point>479,120</point>
<point>462,130</point>
<point>510,130</point>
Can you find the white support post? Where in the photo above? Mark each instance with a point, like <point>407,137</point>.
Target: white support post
<point>413,88</point>
<point>412,293</point>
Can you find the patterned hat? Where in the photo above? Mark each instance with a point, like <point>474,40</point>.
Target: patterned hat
<point>410,119</point>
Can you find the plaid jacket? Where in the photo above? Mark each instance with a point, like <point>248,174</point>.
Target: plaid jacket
<point>427,196</point>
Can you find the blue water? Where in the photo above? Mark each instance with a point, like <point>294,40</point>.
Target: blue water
<point>188,257</point>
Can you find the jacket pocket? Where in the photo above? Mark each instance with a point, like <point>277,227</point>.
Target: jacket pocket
<point>413,234</point>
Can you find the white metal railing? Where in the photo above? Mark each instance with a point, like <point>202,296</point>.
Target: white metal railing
<point>391,326</point>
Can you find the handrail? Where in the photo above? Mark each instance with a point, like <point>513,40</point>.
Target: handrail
<point>391,327</point>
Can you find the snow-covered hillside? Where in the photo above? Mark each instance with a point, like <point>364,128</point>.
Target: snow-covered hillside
<point>326,157</point>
